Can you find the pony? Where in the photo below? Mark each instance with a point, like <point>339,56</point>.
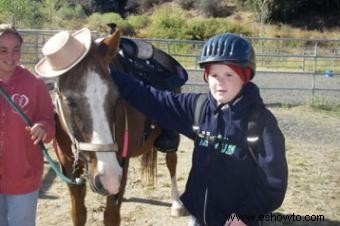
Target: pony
<point>91,125</point>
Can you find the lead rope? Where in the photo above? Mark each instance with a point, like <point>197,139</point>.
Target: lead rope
<point>53,165</point>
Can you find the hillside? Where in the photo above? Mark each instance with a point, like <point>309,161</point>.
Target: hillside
<point>181,19</point>
<point>242,19</point>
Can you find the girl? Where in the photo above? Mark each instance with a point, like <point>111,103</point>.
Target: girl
<point>21,161</point>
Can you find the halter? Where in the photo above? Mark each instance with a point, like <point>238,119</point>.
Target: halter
<point>77,146</point>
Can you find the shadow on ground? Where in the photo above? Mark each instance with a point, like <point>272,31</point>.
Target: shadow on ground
<point>48,180</point>
<point>147,201</point>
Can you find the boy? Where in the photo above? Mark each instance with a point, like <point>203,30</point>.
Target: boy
<point>226,185</point>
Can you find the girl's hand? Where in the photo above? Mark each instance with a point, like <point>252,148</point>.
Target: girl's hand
<point>234,221</point>
<point>37,133</point>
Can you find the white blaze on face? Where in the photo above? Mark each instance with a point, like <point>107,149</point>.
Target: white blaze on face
<point>107,163</point>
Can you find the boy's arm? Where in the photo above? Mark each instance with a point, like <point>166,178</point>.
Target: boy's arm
<point>171,110</point>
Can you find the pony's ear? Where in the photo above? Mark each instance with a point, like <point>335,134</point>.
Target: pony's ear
<point>111,44</point>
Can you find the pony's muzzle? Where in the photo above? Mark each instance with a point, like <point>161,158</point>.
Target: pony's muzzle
<point>108,179</point>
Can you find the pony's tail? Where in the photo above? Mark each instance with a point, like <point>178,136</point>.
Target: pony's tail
<point>149,167</point>
<point>149,158</point>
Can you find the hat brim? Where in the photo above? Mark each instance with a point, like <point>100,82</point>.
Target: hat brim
<point>44,69</point>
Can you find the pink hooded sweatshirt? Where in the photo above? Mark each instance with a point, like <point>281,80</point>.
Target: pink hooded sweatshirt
<point>21,162</point>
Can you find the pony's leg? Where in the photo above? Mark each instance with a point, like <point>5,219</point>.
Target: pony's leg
<point>113,202</point>
<point>78,208</point>
<point>112,211</point>
<point>66,158</point>
<point>177,208</point>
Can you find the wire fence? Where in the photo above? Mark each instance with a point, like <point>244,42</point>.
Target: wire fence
<point>303,69</point>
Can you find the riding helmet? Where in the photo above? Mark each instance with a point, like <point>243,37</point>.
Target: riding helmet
<point>229,49</point>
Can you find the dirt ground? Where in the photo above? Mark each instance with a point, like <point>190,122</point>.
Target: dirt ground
<point>143,205</point>
<point>312,141</point>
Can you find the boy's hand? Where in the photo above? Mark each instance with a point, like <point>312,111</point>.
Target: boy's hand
<point>37,133</point>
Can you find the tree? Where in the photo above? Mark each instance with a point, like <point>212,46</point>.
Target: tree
<point>22,12</point>
<point>106,6</point>
<point>310,14</point>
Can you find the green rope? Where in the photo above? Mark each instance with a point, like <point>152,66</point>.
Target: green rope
<point>54,166</point>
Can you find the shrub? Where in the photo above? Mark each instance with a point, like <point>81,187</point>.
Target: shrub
<point>202,29</point>
<point>99,23</point>
<point>67,13</point>
<point>145,5</point>
<point>186,4</point>
<point>21,12</point>
<point>173,23</point>
<point>210,8</point>
<point>139,22</point>
<point>167,23</point>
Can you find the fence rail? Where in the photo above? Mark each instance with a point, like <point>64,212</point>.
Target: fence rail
<point>281,62</point>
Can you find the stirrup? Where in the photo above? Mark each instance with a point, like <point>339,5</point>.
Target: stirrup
<point>167,141</point>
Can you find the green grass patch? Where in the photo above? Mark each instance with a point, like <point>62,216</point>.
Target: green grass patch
<point>322,105</point>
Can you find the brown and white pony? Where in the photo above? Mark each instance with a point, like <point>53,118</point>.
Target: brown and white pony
<point>91,123</point>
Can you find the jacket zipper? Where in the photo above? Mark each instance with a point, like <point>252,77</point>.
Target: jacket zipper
<point>225,107</point>
<point>205,206</point>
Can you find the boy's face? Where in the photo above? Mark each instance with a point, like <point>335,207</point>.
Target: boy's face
<point>224,83</point>
<point>10,47</point>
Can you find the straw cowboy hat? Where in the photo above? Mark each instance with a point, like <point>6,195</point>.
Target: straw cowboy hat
<point>62,52</point>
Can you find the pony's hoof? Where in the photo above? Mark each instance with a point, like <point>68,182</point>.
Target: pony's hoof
<point>178,210</point>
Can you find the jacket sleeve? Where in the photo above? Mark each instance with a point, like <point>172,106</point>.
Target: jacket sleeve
<point>44,113</point>
<point>272,173</point>
<point>171,110</point>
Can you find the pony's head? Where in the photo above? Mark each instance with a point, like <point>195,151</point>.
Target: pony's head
<point>85,102</point>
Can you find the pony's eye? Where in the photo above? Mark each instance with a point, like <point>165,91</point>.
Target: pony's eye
<point>71,102</point>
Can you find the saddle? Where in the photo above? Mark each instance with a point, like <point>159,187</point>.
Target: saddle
<point>151,65</point>
<point>158,69</point>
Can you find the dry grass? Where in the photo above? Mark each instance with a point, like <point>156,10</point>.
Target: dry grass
<point>247,19</point>
<point>314,163</point>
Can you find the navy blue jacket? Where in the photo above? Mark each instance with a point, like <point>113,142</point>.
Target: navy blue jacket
<point>224,178</point>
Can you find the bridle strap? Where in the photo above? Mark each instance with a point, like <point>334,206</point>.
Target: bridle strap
<point>76,145</point>
<point>98,147</point>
